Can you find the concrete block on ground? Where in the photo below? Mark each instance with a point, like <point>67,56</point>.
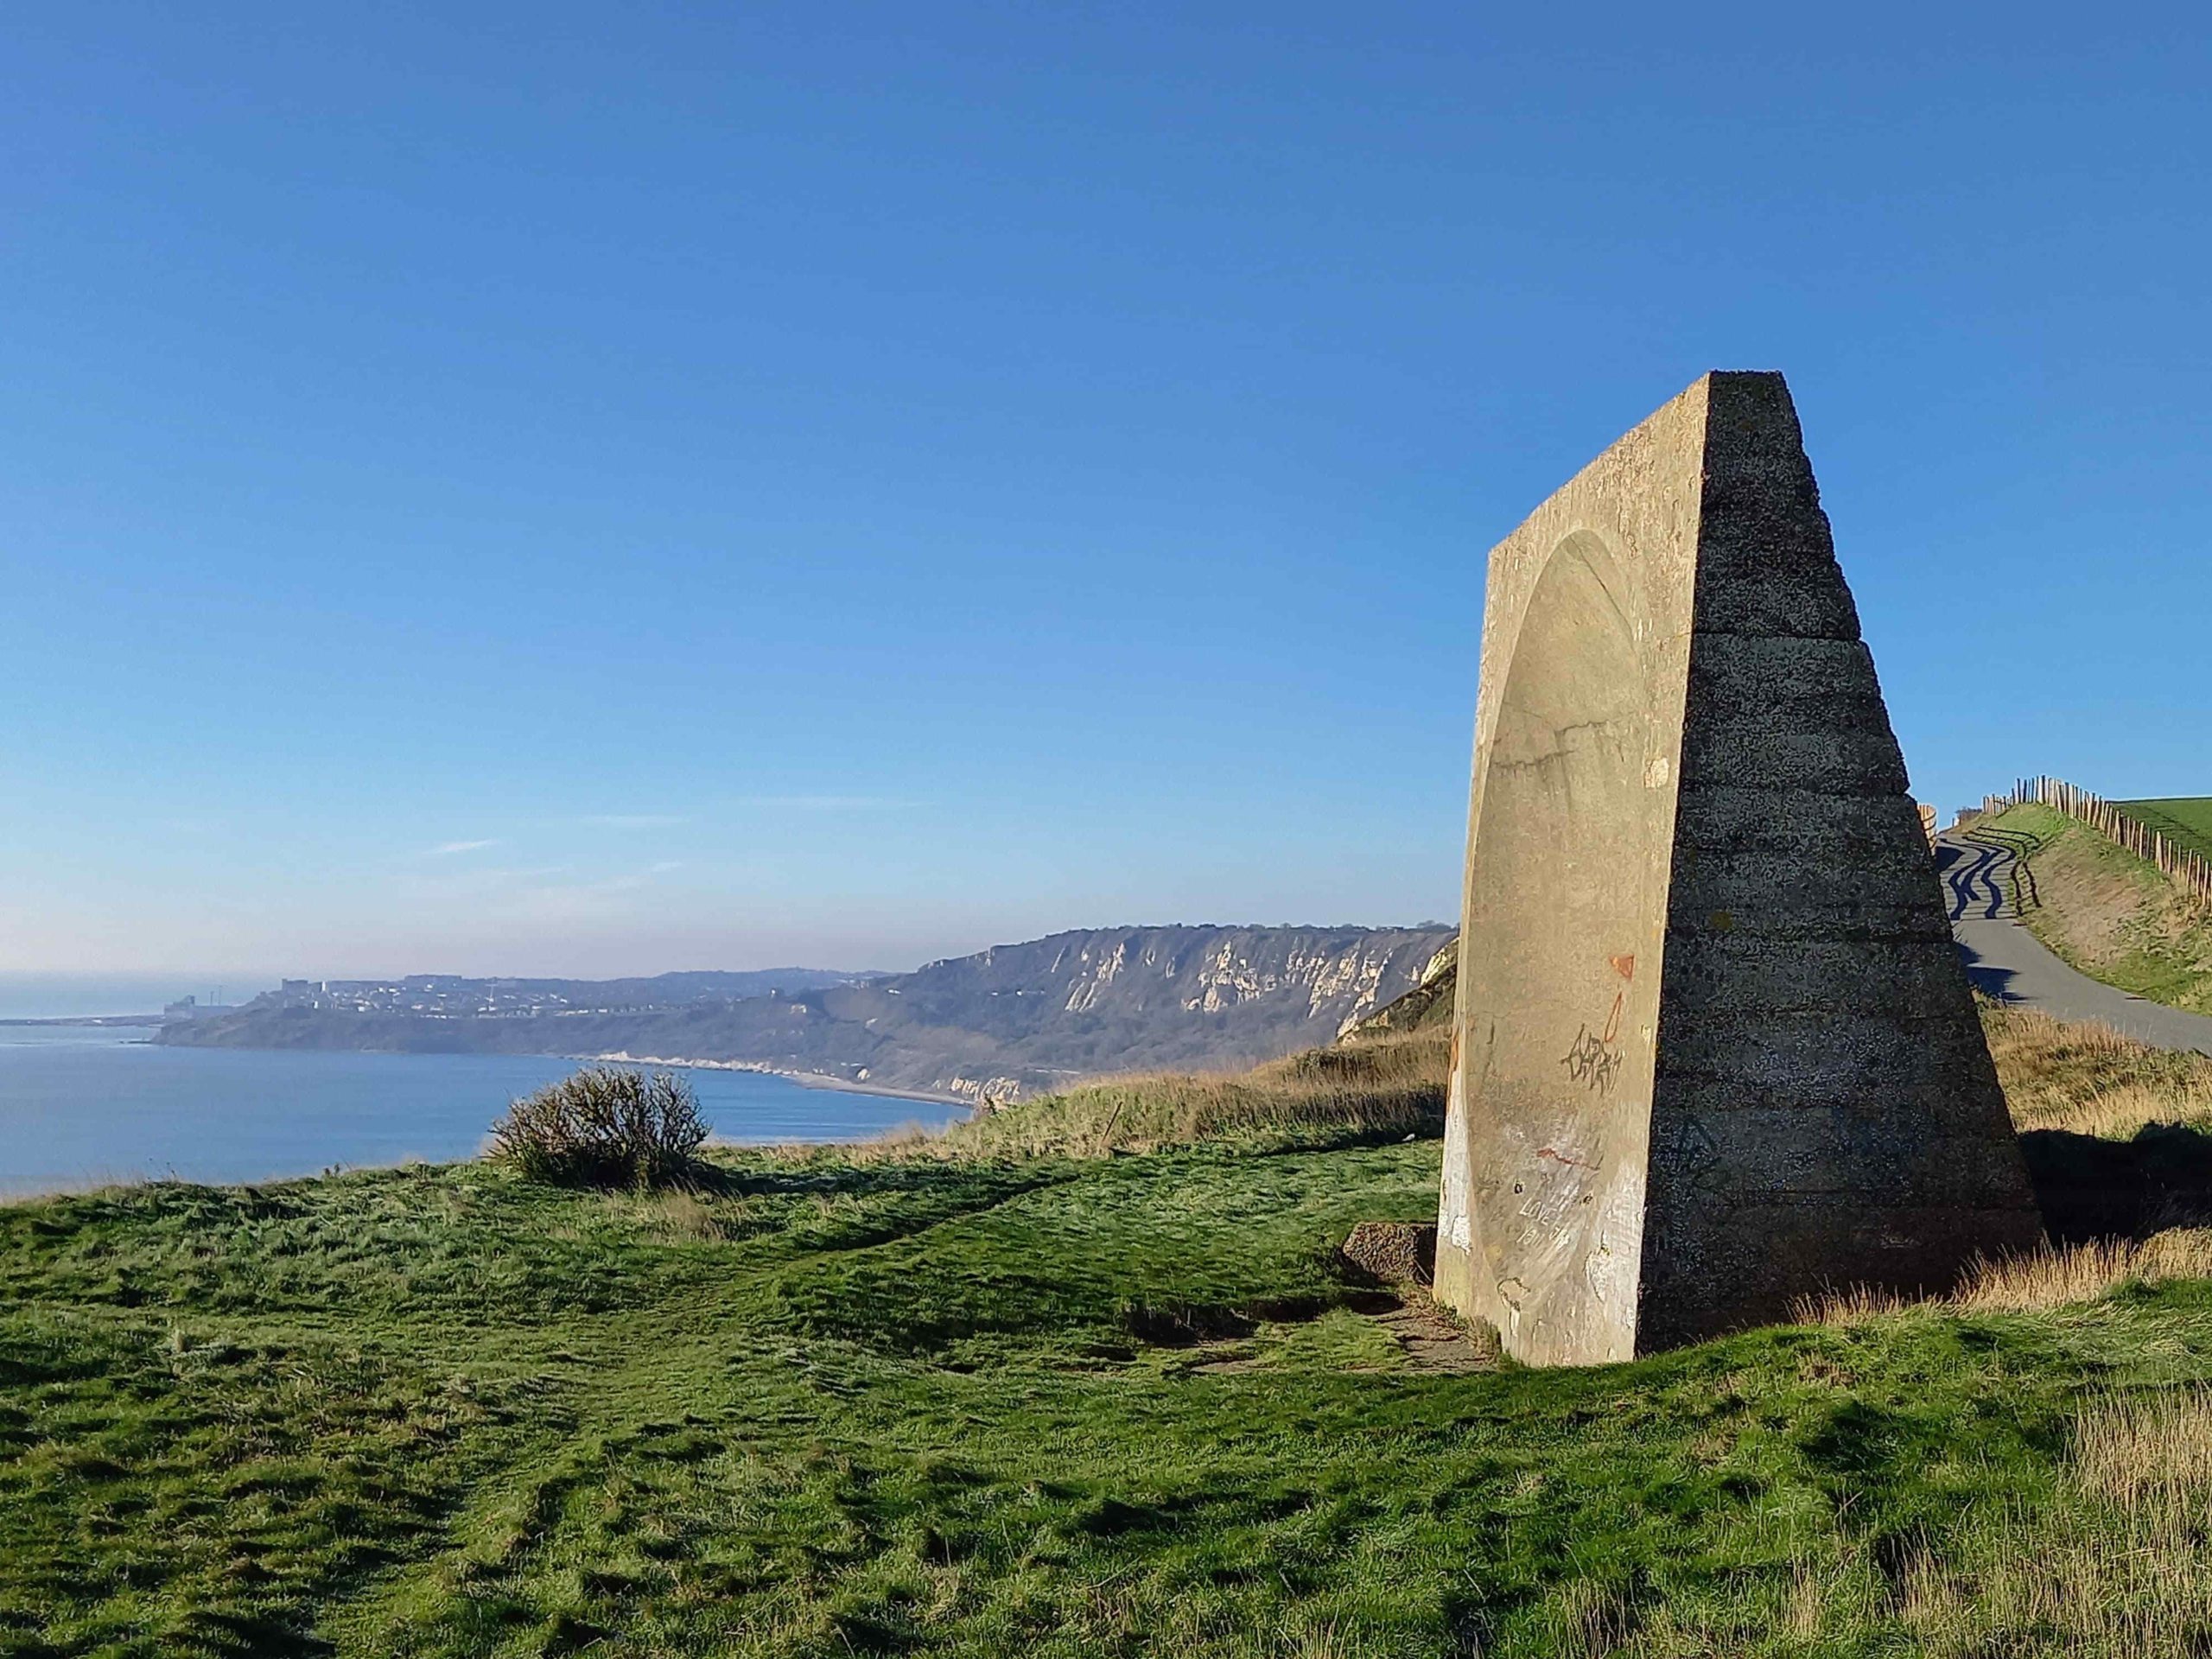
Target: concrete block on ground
<point>1714,1052</point>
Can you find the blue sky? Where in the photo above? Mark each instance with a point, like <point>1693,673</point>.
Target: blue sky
<point>606,489</point>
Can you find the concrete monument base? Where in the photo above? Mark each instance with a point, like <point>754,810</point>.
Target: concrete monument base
<point>1714,1050</point>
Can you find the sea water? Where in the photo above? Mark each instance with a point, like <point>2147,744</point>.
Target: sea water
<point>80,1106</point>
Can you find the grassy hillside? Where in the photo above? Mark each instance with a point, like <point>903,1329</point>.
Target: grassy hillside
<point>1007,1394</point>
<point>1383,1088</point>
<point>2186,821</point>
<point>2110,914</point>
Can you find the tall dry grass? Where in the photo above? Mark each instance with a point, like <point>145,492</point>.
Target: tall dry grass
<point>2053,1276</point>
<point>1391,1085</point>
<point>2057,1074</point>
<point>2113,1559</point>
<point>2120,1564</point>
<point>2150,1452</point>
<point>2087,1077</point>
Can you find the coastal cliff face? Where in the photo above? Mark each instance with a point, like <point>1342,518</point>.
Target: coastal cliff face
<point>1427,1007</point>
<point>1040,1014</point>
<point>1010,1021</point>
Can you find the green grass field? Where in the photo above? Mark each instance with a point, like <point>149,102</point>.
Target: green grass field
<point>914,1401</point>
<point>2185,821</point>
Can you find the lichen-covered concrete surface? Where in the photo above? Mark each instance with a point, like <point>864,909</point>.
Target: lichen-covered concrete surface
<point>1713,1051</point>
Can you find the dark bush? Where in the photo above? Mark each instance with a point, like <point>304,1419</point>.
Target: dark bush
<point>607,1126</point>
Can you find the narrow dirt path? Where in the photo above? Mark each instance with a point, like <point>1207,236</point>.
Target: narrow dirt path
<point>1431,1341</point>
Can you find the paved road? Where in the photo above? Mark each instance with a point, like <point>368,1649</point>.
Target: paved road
<point>1984,882</point>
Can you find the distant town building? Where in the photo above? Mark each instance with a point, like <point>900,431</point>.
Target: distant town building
<point>191,1008</point>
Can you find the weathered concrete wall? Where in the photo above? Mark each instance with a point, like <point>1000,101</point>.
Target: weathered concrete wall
<point>1713,1050</point>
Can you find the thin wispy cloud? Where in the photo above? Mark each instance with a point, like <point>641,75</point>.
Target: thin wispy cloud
<point>449,848</point>
<point>825,803</point>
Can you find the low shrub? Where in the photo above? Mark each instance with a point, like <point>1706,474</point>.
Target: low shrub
<point>607,1126</point>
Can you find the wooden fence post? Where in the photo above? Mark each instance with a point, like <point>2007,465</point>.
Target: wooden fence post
<point>2182,865</point>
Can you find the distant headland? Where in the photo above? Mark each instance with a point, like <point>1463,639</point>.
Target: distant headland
<point>1010,1021</point>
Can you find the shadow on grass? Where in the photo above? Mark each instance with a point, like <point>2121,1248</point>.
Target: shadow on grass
<point>1993,981</point>
<point>2091,1188</point>
<point>725,1177</point>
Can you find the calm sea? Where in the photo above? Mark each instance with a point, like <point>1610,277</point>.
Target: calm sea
<point>80,1105</point>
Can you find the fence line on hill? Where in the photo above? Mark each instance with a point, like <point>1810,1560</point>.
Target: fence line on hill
<point>2182,864</point>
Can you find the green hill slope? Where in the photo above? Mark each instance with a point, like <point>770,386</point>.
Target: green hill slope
<point>2186,821</point>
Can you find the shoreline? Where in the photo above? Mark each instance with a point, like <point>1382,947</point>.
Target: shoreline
<point>804,1079</point>
<point>619,1057</point>
<point>83,1186</point>
<point>101,1021</point>
<point>94,1179</point>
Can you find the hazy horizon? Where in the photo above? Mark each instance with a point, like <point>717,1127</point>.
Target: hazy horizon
<point>34,994</point>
